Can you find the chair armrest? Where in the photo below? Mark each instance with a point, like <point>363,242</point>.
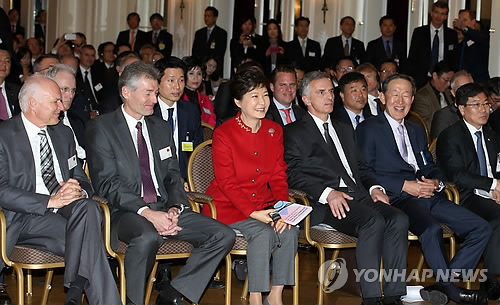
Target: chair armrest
<point>3,239</point>
<point>103,202</point>
<point>304,198</point>
<point>453,195</point>
<point>196,198</point>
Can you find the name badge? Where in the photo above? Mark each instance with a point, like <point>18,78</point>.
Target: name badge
<point>98,87</point>
<point>165,153</point>
<point>207,111</point>
<point>212,45</point>
<point>312,53</point>
<point>161,46</point>
<point>72,162</point>
<point>451,47</point>
<point>423,157</point>
<point>470,42</point>
<point>187,146</point>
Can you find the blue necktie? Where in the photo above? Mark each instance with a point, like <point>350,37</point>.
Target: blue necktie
<point>357,117</point>
<point>171,118</point>
<point>435,52</point>
<point>480,154</point>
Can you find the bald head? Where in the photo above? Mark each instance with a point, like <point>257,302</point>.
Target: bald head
<point>40,101</point>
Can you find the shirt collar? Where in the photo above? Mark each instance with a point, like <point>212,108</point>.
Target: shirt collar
<point>31,129</point>
<point>394,124</point>
<point>82,69</point>
<point>131,122</point>
<point>164,105</point>
<point>280,106</point>
<point>472,129</point>
<point>433,29</point>
<point>319,122</point>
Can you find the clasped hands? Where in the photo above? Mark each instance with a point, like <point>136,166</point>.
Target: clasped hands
<point>263,215</point>
<point>164,222</point>
<point>338,201</point>
<point>69,192</point>
<point>423,188</point>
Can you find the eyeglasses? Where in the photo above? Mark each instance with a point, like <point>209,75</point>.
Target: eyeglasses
<point>446,80</point>
<point>66,90</point>
<point>478,105</point>
<point>346,69</point>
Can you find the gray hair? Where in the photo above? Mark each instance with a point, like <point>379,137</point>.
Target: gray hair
<point>461,73</point>
<point>133,72</point>
<point>30,89</point>
<point>52,72</point>
<point>308,78</point>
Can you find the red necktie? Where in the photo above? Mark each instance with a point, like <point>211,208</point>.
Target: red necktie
<point>287,114</point>
<point>148,187</point>
<point>4,113</point>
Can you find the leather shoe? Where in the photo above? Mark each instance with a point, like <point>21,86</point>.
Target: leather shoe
<point>165,300</point>
<point>4,296</point>
<point>214,284</point>
<point>472,297</point>
<point>491,288</point>
<point>434,295</point>
<point>397,302</point>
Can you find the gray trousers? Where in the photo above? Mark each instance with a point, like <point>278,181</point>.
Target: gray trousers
<point>263,244</point>
<point>75,233</point>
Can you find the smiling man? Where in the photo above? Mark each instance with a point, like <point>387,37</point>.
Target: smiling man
<point>468,153</point>
<point>395,150</point>
<point>323,161</point>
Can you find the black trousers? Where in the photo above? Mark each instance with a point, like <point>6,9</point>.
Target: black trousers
<point>382,232</point>
<point>211,239</point>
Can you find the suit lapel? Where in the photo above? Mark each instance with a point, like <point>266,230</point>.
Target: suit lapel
<point>491,147</point>
<point>23,143</point>
<point>414,145</point>
<point>59,150</point>
<point>347,152</point>
<point>123,136</point>
<point>389,138</point>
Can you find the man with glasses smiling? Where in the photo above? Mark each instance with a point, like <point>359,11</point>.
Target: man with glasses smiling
<point>468,153</point>
<point>436,94</point>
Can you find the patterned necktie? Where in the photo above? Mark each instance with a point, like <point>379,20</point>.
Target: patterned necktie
<point>4,113</point>
<point>434,52</point>
<point>171,118</point>
<point>47,165</point>
<point>388,49</point>
<point>480,154</point>
<point>402,142</point>
<point>346,48</point>
<point>149,191</point>
<point>287,115</point>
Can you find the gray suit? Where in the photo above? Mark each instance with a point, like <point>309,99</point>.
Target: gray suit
<point>115,172</point>
<point>426,103</point>
<point>443,119</point>
<point>74,231</point>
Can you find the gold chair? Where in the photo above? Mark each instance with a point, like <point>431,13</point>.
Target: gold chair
<point>29,259</point>
<point>416,118</point>
<point>200,173</point>
<point>208,131</point>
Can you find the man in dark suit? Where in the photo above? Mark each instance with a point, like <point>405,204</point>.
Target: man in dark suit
<point>248,45</point>
<point>468,153</point>
<point>353,108</point>
<point>9,105</point>
<point>447,116</point>
<point>302,51</point>
<point>45,194</point>
<point>423,54</point>
<point>158,37</point>
<point>284,88</point>
<point>133,163</point>
<point>133,36</point>
<point>15,27</point>
<point>106,58</point>
<point>344,45</point>
<point>183,116</point>
<point>395,150</point>
<point>88,82</point>
<point>474,49</point>
<point>372,77</point>
<point>323,161</point>
<point>386,47</point>
<point>211,39</point>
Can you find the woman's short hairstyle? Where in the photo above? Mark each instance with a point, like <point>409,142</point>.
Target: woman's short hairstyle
<point>246,80</point>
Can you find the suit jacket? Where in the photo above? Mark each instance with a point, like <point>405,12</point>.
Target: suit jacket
<point>78,121</point>
<point>97,86</point>
<point>334,50</point>
<point>12,92</point>
<point>457,156</point>
<point>426,103</point>
<point>238,51</point>
<point>188,121</point>
<point>224,105</point>
<point>163,42</point>
<point>444,118</point>
<point>494,121</point>
<point>281,59</point>
<point>419,56</point>
<point>340,114</point>
<point>310,62</point>
<point>39,33</point>
<point>216,44</point>
<point>312,166</point>
<point>473,53</point>
<point>381,154</point>
<point>17,174</point>
<point>376,54</point>
<point>141,38</point>
<point>273,113</point>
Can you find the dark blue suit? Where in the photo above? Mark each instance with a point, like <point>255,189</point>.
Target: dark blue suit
<point>188,121</point>
<point>380,151</point>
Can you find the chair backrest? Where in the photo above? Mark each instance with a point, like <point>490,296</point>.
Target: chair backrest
<point>414,117</point>
<point>208,131</point>
<point>200,170</point>
<point>432,150</point>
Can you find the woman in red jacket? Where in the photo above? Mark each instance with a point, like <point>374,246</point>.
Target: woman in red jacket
<point>250,177</point>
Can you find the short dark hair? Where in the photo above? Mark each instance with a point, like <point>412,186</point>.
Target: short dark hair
<point>246,80</point>
<point>347,17</point>
<point>472,14</point>
<point>130,15</point>
<point>36,64</point>
<point>383,18</point>
<point>117,46</point>
<point>191,62</point>
<point>282,69</point>
<point>368,67</point>
<point>336,63</point>
<point>302,18</point>
<point>245,19</point>
<point>120,58</point>
<point>100,48</point>
<point>388,60</point>
<point>155,16</point>
<point>351,77</point>
<point>494,85</point>
<point>441,4</point>
<point>213,10</point>
<point>88,47</point>
<point>385,83</point>
<point>469,90</point>
<point>442,67</point>
<point>171,62</point>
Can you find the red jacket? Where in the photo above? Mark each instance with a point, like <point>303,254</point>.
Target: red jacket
<point>207,109</point>
<point>250,173</point>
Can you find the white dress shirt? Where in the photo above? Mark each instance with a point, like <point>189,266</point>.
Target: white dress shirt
<point>352,117</point>
<point>4,93</point>
<point>394,126</point>
<point>372,103</point>
<point>89,76</point>
<point>164,114</point>
<point>282,113</point>
<point>80,152</point>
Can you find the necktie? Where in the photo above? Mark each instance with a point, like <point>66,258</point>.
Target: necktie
<point>434,52</point>
<point>379,108</point>
<point>388,49</point>
<point>13,28</point>
<point>132,39</point>
<point>209,31</point>
<point>356,118</point>
<point>303,46</point>
<point>155,37</point>
<point>442,100</point>
<point>347,179</point>
<point>47,165</point>
<point>88,90</point>
<point>480,154</point>
<point>148,186</point>
<point>4,113</point>
<point>171,118</point>
<point>287,115</point>
<point>402,142</point>
<point>346,48</point>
